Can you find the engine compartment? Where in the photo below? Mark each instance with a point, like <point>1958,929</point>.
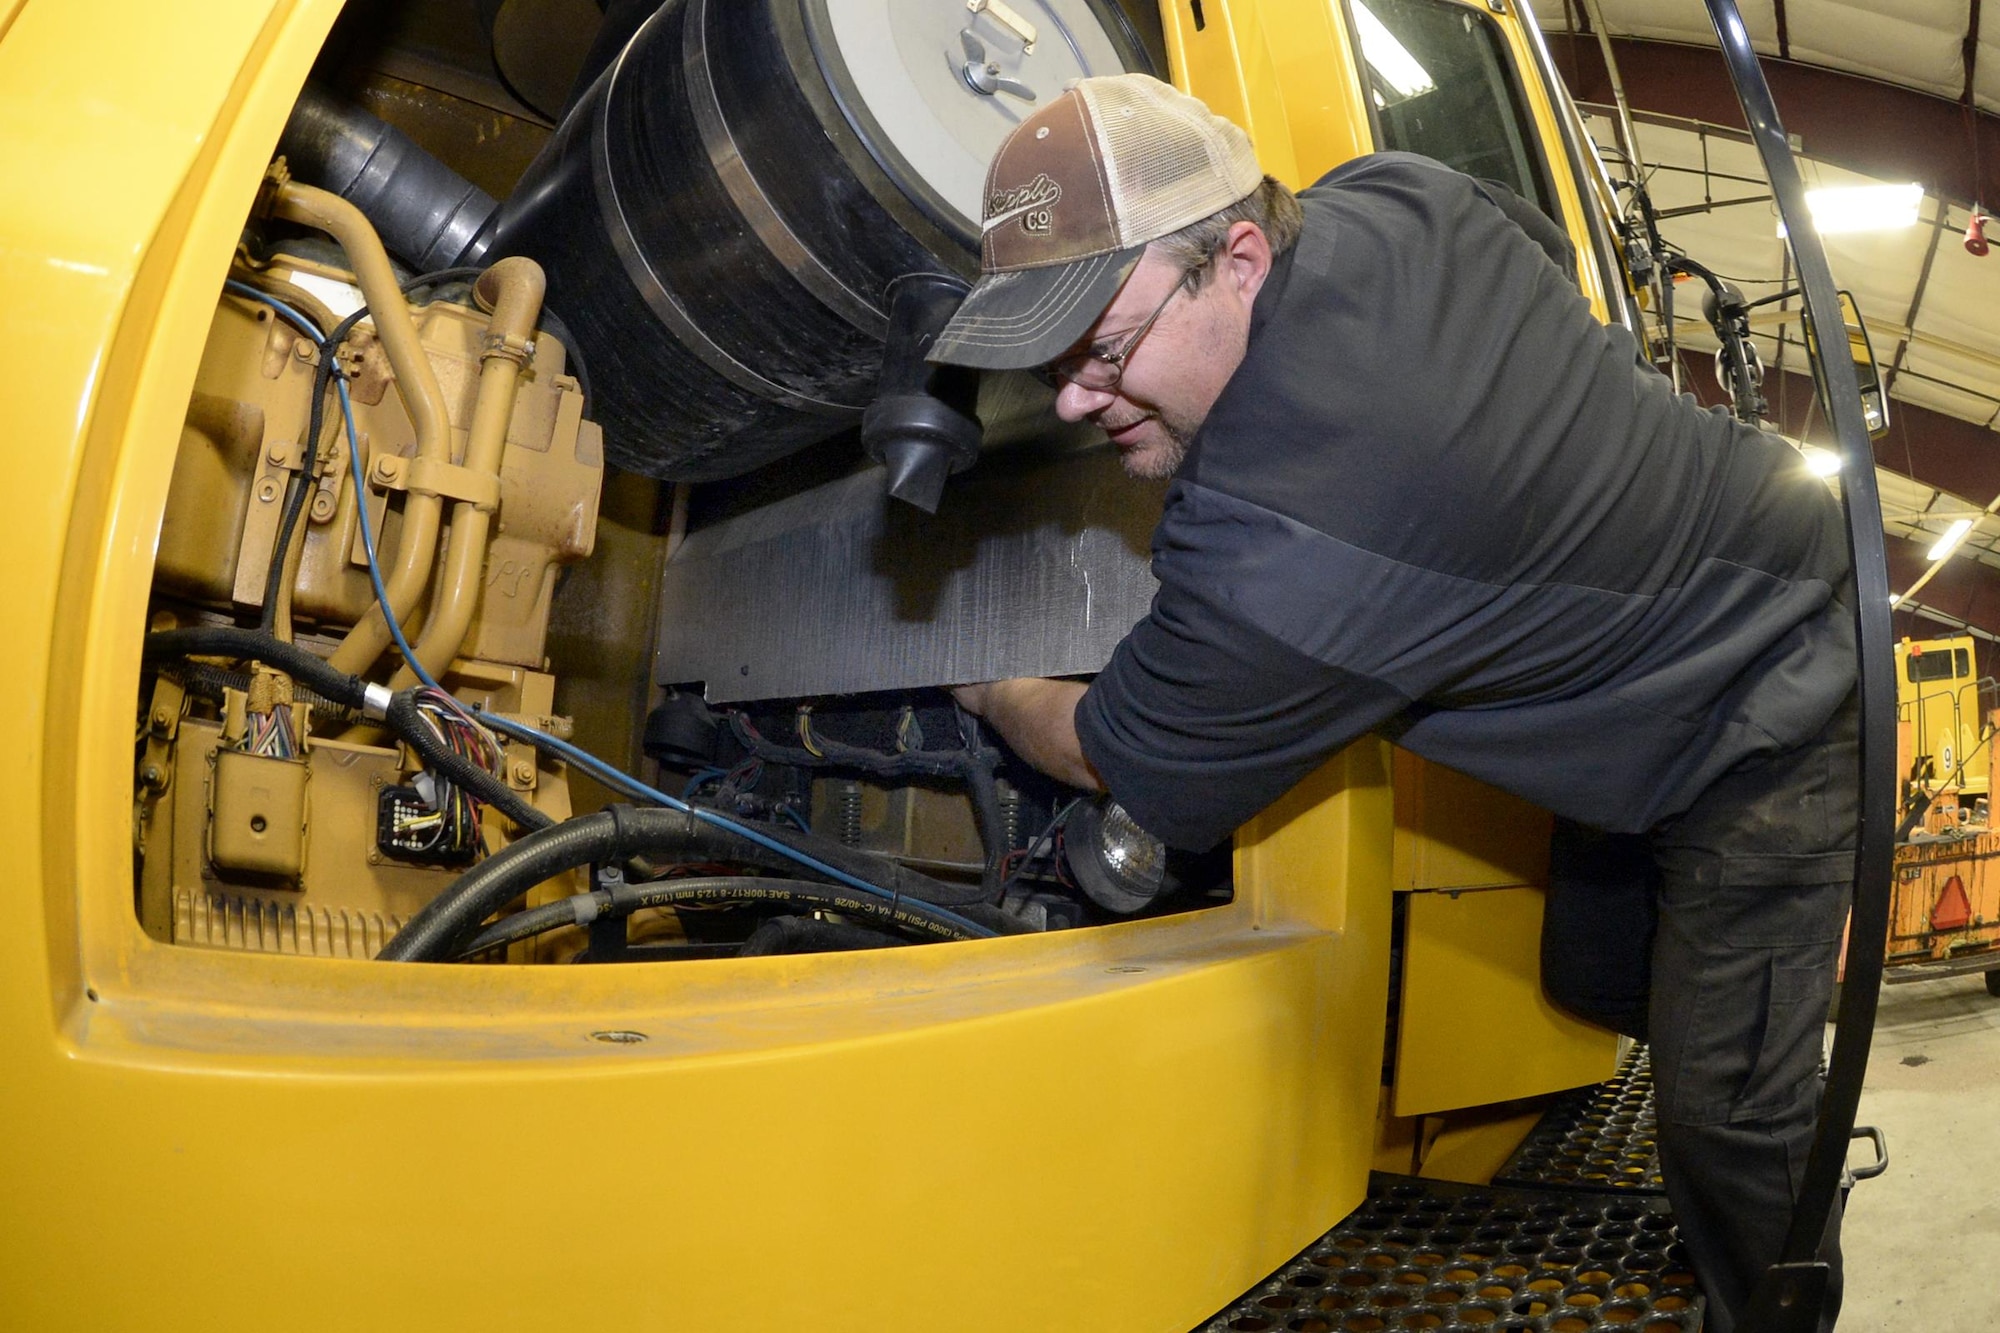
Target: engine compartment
<point>373,454</point>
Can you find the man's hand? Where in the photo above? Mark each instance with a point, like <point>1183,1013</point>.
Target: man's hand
<point>1037,719</point>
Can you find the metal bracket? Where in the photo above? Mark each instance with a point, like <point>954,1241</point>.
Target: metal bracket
<point>427,476</point>
<point>1007,19</point>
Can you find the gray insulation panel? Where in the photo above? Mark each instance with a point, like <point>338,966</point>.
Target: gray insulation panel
<point>1036,564</point>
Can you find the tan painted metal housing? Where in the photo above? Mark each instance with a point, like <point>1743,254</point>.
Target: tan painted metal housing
<point>229,857</point>
<point>239,449</point>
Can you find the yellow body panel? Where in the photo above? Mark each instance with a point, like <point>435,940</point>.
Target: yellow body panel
<point>1456,832</point>
<point>1110,1129</point>
<point>1282,69</point>
<point>1475,1026</point>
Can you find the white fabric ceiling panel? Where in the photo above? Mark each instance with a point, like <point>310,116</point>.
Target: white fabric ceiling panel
<point>1905,499</point>
<point>1943,398</point>
<point>1986,71</point>
<point>1687,21</point>
<point>1719,153</point>
<point>1917,45</point>
<point>1962,299</point>
<point>1967,373</point>
<point>1880,268</point>
<point>1552,15</point>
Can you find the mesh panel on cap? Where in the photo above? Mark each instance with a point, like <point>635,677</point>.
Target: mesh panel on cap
<point>1170,160</point>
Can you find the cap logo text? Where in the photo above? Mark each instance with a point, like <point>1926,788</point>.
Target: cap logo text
<point>1031,203</point>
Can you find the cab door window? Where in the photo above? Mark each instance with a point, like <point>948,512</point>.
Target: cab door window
<point>1442,84</point>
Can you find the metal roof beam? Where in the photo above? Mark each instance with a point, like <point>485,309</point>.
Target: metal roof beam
<point>1965,590</point>
<point>1874,128</point>
<point>1943,452</point>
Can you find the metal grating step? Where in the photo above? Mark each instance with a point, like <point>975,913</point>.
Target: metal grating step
<point>1601,1139</point>
<point>1428,1254</point>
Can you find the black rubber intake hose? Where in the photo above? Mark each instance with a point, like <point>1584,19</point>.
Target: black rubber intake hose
<point>720,891</point>
<point>614,835</point>
<point>428,215</point>
<point>255,645</point>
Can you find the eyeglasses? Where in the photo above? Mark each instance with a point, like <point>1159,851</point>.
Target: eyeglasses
<point>1104,370</point>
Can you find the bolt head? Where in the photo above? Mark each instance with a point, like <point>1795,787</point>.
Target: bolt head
<point>268,492</point>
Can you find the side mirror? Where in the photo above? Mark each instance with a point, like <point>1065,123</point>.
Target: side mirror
<point>1874,401</point>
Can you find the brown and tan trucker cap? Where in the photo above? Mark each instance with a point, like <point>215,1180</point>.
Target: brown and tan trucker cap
<point>1072,198</point>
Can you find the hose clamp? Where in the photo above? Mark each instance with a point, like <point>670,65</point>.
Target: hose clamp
<point>507,346</point>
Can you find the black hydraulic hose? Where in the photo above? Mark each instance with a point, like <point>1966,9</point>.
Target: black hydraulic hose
<point>455,768</point>
<point>984,791</point>
<point>254,645</point>
<point>802,934</point>
<point>906,914</point>
<point>709,891</point>
<point>1792,1293</point>
<point>892,876</point>
<point>212,682</point>
<point>399,710</point>
<point>974,765</point>
<point>479,892</point>
<point>614,835</point>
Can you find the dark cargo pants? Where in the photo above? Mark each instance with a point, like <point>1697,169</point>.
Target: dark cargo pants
<point>1713,938</point>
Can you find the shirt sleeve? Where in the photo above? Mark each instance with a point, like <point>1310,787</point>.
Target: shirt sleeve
<point>1199,721</point>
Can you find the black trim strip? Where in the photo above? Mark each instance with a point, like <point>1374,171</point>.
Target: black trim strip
<point>1792,1292</point>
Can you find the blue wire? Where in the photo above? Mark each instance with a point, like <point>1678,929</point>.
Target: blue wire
<point>590,763</point>
<point>368,540</point>
<point>313,330</point>
<point>798,820</point>
<point>583,759</point>
<point>702,779</point>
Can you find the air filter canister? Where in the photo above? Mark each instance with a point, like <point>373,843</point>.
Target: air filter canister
<point>722,212</point>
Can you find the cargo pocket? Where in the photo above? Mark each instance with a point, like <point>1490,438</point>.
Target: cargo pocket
<point>1741,976</point>
<point>1784,1077</point>
<point>1719,1031</point>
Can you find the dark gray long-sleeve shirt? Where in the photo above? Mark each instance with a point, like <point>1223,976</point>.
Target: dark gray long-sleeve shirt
<point>1440,501</point>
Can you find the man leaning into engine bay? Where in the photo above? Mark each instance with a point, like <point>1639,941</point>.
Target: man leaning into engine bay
<point>1418,490</point>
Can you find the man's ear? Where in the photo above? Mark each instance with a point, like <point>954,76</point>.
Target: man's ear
<point>1245,259</point>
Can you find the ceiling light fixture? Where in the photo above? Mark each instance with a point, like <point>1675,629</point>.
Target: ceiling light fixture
<point>1820,462</point>
<point>1953,535</point>
<point>1844,208</point>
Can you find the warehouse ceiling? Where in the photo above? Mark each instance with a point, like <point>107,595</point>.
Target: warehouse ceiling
<point>1867,97</point>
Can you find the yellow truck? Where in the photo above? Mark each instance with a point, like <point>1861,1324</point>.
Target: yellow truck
<point>1945,910</point>
<point>600,450</point>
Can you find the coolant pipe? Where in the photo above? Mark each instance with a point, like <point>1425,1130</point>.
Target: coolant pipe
<point>512,291</point>
<point>415,381</point>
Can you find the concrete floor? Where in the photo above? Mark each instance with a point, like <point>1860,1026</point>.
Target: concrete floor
<point>1923,1240</point>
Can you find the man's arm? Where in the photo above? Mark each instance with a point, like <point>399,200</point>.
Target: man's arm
<point>1037,719</point>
